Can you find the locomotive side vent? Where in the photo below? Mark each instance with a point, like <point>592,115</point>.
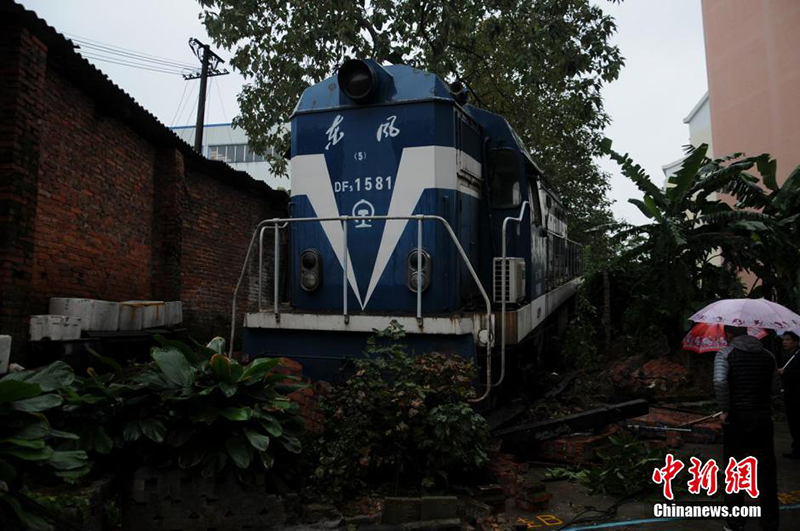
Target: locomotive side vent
<point>515,280</point>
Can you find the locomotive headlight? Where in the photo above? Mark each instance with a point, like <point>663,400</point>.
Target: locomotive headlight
<point>309,282</point>
<point>310,269</point>
<point>358,80</point>
<point>419,271</point>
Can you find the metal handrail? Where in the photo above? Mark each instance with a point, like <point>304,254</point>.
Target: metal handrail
<point>279,223</point>
<point>503,286</point>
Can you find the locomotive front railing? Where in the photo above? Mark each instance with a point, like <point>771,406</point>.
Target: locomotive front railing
<point>279,223</point>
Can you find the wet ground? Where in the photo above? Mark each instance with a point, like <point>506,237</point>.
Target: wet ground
<point>570,500</point>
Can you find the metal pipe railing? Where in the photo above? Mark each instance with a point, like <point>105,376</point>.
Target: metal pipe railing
<point>283,222</point>
<point>344,273</point>
<point>261,269</point>
<point>419,272</point>
<point>503,297</point>
<point>276,281</point>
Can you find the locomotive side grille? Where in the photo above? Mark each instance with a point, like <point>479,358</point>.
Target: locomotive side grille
<point>515,280</point>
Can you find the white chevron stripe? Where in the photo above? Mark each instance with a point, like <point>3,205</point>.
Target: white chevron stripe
<point>416,172</point>
<point>315,183</point>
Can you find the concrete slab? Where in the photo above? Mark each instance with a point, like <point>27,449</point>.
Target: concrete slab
<point>5,353</point>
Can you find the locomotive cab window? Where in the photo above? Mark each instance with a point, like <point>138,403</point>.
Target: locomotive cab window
<point>505,178</point>
<point>533,193</point>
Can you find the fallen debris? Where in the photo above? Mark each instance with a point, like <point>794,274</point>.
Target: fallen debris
<point>562,385</point>
<point>637,377</point>
<point>575,448</point>
<point>528,493</point>
<point>518,439</point>
<point>704,429</point>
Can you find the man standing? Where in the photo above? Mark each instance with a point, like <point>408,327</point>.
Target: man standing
<point>791,389</point>
<point>744,376</point>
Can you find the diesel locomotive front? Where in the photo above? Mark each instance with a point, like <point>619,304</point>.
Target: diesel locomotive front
<point>404,202</point>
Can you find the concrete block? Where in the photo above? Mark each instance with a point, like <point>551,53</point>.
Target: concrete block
<point>138,315</point>
<point>94,314</point>
<point>5,353</point>
<point>54,327</point>
<point>73,307</point>
<point>401,510</point>
<point>105,317</point>
<point>173,313</point>
<point>72,328</point>
<point>438,508</point>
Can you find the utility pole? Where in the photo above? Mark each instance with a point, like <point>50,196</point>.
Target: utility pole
<point>210,68</point>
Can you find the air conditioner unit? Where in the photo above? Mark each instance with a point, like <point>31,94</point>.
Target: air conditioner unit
<point>515,280</point>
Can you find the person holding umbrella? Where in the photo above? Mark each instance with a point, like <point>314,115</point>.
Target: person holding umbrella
<point>745,374</point>
<point>791,388</point>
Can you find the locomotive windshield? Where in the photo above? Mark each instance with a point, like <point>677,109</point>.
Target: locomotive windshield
<point>504,168</point>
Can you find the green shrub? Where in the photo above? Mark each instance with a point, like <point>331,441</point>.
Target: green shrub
<point>26,438</point>
<point>580,346</point>
<point>400,417</point>
<point>194,408</point>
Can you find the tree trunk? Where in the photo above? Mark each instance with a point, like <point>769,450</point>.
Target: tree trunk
<point>606,318</point>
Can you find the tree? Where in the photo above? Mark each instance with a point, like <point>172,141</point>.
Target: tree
<point>670,261</point>
<point>540,63</point>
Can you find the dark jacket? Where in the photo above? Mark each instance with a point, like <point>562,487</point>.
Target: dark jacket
<point>745,376</point>
<point>791,375</point>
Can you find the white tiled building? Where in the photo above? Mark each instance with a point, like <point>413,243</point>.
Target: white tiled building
<point>699,122</point>
<point>230,144</point>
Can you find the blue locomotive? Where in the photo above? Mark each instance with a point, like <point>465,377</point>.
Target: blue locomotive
<point>404,202</point>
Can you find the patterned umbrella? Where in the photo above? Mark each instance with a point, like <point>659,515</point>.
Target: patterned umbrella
<point>707,337</point>
<point>760,313</point>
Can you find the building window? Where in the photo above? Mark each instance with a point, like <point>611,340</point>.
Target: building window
<point>232,153</point>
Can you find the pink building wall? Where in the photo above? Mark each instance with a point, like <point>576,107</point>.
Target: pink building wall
<point>753,65</point>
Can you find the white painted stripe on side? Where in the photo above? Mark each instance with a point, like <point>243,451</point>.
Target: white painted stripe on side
<point>324,204</point>
<point>461,325</point>
<point>443,159</point>
<point>531,315</point>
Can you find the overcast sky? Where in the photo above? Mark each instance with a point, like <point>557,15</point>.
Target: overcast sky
<point>663,78</point>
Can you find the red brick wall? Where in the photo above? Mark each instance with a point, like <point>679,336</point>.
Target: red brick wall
<point>97,201</point>
<point>95,205</point>
<point>218,223</point>
<point>22,79</point>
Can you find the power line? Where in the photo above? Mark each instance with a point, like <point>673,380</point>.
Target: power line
<point>96,43</point>
<point>225,115</point>
<point>124,62</point>
<point>192,108</point>
<point>131,56</point>
<point>132,65</point>
<point>183,94</point>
